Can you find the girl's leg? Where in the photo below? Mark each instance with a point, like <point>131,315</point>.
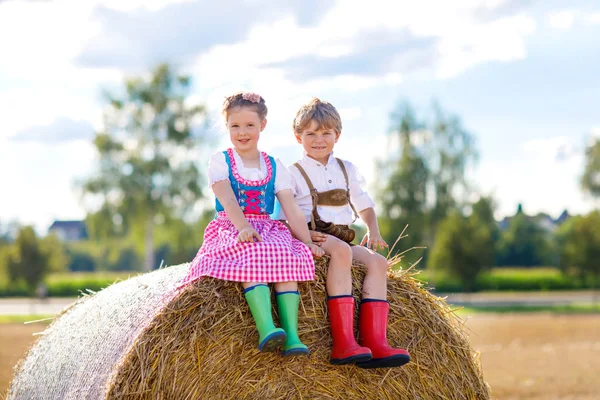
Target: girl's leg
<point>288,300</point>
<point>374,310</point>
<point>258,296</point>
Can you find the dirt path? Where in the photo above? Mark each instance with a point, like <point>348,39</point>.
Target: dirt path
<point>539,356</point>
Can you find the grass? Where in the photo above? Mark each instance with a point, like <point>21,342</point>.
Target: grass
<point>553,309</point>
<point>505,279</point>
<point>497,279</point>
<point>24,319</point>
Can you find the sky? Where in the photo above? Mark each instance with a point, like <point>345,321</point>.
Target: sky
<point>522,75</point>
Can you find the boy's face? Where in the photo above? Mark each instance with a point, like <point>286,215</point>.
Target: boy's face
<point>317,143</point>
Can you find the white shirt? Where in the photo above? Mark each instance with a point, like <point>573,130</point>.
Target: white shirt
<point>328,177</point>
<point>218,170</point>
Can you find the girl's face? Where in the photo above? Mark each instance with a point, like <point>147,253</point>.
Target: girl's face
<point>244,127</point>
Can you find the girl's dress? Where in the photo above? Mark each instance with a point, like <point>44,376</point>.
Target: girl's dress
<point>278,257</point>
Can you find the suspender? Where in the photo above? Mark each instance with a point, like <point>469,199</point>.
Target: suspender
<point>315,195</point>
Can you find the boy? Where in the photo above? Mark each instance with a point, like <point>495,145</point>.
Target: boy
<point>330,193</point>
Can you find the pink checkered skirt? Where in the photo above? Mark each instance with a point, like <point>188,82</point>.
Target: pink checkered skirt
<point>277,258</point>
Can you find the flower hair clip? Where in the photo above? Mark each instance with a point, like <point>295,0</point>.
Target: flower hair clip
<point>251,96</point>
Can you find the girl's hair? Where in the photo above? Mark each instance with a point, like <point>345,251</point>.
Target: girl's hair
<point>322,112</point>
<point>245,100</point>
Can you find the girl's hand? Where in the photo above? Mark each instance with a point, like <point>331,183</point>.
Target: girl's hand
<point>374,241</point>
<point>318,238</point>
<point>249,235</point>
<point>316,250</point>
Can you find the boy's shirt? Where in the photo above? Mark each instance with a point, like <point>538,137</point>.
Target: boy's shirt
<point>328,177</point>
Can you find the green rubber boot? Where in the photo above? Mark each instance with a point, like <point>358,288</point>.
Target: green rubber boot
<point>259,301</point>
<point>287,304</point>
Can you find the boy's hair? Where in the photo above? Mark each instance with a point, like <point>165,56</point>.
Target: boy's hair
<point>322,112</point>
<point>238,100</point>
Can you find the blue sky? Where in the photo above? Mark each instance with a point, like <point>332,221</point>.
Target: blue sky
<point>522,75</point>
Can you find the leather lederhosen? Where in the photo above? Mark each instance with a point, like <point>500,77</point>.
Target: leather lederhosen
<point>334,197</point>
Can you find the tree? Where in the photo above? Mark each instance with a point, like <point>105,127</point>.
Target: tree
<point>422,181</point>
<point>579,242</point>
<point>465,246</point>
<point>57,256</point>
<point>590,181</point>
<point>403,195</point>
<point>147,151</point>
<point>28,260</point>
<point>450,149</point>
<point>524,243</point>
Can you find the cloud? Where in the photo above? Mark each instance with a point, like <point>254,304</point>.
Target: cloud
<point>592,18</point>
<point>136,38</point>
<point>558,148</point>
<point>61,130</point>
<point>397,38</point>
<point>373,54</point>
<point>562,20</point>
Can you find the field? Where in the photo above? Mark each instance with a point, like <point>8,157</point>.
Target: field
<point>524,356</point>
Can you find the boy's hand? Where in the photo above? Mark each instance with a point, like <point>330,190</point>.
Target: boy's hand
<point>374,241</point>
<point>318,238</point>
<point>249,235</point>
<point>316,250</point>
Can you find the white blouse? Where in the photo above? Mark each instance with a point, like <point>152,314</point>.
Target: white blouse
<point>328,177</point>
<point>218,170</point>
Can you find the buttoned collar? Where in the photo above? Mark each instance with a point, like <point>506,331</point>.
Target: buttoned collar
<point>314,163</point>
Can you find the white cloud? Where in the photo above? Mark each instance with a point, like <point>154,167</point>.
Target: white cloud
<point>550,149</point>
<point>461,39</point>
<point>350,113</point>
<point>500,40</point>
<point>562,20</point>
<point>41,180</point>
<point>539,182</point>
<point>592,18</point>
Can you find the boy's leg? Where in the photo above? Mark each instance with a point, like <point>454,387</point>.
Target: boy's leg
<point>288,300</point>
<point>374,310</point>
<point>258,296</point>
<point>340,304</point>
<point>339,272</point>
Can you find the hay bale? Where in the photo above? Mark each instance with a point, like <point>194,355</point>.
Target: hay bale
<point>143,339</point>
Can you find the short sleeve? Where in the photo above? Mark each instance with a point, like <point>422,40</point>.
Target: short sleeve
<point>358,195</point>
<point>283,178</point>
<point>217,169</point>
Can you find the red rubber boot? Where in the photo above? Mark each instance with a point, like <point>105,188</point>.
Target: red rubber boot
<point>341,318</point>
<point>372,334</point>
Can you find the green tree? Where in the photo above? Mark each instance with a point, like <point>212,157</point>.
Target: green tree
<point>465,246</point>
<point>148,154</point>
<point>450,149</point>
<point>579,243</point>
<point>403,195</point>
<point>423,180</point>
<point>28,260</point>
<point>524,243</point>
<point>54,249</point>
<point>590,181</point>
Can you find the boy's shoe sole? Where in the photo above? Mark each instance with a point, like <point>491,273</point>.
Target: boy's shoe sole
<point>388,362</point>
<point>352,359</point>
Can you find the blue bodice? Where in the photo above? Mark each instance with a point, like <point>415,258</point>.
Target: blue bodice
<point>254,197</point>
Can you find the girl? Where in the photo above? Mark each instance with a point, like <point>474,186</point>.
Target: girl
<point>243,243</point>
